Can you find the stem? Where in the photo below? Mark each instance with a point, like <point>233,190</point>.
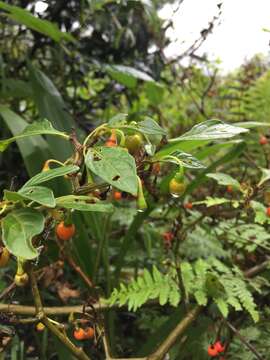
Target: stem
<point>78,352</point>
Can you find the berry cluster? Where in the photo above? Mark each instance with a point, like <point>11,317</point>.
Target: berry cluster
<point>215,349</point>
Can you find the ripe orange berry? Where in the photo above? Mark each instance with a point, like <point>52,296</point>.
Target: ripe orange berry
<point>220,348</point>
<point>212,351</point>
<point>4,256</point>
<point>89,333</point>
<point>263,140</point>
<point>65,232</point>
<point>268,211</point>
<point>79,334</point>
<point>188,205</point>
<point>229,189</point>
<point>112,141</point>
<point>40,327</point>
<point>117,195</point>
<point>168,236</point>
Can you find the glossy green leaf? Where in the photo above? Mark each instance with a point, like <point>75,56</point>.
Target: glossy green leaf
<point>24,17</point>
<point>39,194</point>
<point>211,130</point>
<point>36,128</point>
<point>150,127</point>
<point>18,229</point>
<point>114,165</point>
<point>224,179</point>
<point>83,203</point>
<point>186,160</point>
<point>127,75</point>
<point>51,174</point>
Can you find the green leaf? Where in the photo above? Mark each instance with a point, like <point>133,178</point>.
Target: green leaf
<point>119,119</point>
<point>150,127</point>
<point>222,305</point>
<point>186,160</point>
<point>83,203</point>
<point>40,194</point>
<point>51,174</point>
<point>114,165</point>
<point>154,92</point>
<point>265,176</point>
<point>37,128</point>
<point>18,229</point>
<point>251,124</point>
<point>211,130</point>
<point>127,75</point>
<point>260,212</point>
<point>42,26</point>
<point>224,179</point>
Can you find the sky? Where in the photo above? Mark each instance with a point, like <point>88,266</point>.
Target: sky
<point>238,36</point>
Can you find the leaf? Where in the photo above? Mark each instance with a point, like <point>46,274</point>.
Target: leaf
<point>260,212</point>
<point>210,201</point>
<point>265,176</point>
<point>18,229</point>
<point>115,166</point>
<point>154,92</point>
<point>37,128</point>
<point>51,174</point>
<point>224,179</point>
<point>83,203</point>
<point>119,119</point>
<point>251,124</point>
<point>127,75</point>
<point>211,130</point>
<point>222,305</point>
<point>150,127</point>
<point>40,194</point>
<point>186,160</point>
<point>42,26</point>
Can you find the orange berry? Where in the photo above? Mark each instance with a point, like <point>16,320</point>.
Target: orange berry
<point>229,189</point>
<point>117,195</point>
<point>188,205</point>
<point>263,140</point>
<point>65,232</point>
<point>79,334</point>
<point>112,141</point>
<point>212,351</point>
<point>268,211</point>
<point>89,333</point>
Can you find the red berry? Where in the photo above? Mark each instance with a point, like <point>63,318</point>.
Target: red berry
<point>188,205</point>
<point>212,351</point>
<point>89,333</point>
<point>168,236</point>
<point>268,211</point>
<point>79,334</point>
<point>263,140</point>
<point>112,141</point>
<point>220,348</point>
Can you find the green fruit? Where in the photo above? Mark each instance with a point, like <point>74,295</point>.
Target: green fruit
<point>134,142</point>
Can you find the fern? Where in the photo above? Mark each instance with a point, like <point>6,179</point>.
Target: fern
<point>203,281</point>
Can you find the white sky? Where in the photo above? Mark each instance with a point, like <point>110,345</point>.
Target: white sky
<point>238,36</point>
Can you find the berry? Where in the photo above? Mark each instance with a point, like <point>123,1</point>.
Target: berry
<point>220,348</point>
<point>21,279</point>
<point>117,195</point>
<point>168,236</point>
<point>188,205</point>
<point>268,211</point>
<point>40,327</point>
<point>79,334</point>
<point>263,140</point>
<point>65,232</point>
<point>4,256</point>
<point>112,141</point>
<point>134,142</point>
<point>212,351</point>
<point>177,188</point>
<point>89,333</point>
<point>229,189</point>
